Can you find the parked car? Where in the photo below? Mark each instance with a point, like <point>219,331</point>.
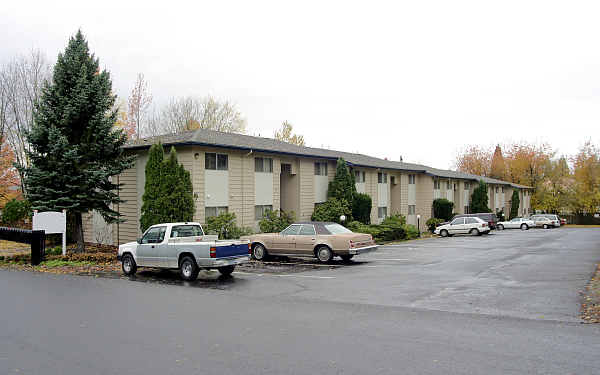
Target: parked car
<point>463,225</point>
<point>182,246</point>
<point>322,240</point>
<point>489,218</point>
<point>542,222</point>
<point>563,221</point>
<point>517,222</point>
<point>554,218</point>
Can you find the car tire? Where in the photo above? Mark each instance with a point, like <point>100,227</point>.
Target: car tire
<point>475,232</point>
<point>324,254</point>
<point>346,257</point>
<point>259,252</point>
<point>524,227</point>
<point>188,269</point>
<point>444,233</point>
<point>226,270</point>
<point>545,226</point>
<point>128,265</point>
<point>500,227</point>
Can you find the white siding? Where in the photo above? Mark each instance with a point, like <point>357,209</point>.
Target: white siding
<point>450,195</point>
<point>321,186</point>
<point>216,188</point>
<point>382,195</point>
<point>436,194</point>
<point>263,188</point>
<point>361,187</point>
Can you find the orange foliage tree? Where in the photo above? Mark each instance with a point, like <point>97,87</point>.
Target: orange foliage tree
<point>474,159</point>
<point>586,176</point>
<point>8,174</point>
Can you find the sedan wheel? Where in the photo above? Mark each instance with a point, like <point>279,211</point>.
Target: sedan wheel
<point>324,254</point>
<point>444,233</point>
<point>474,232</point>
<point>524,226</point>
<point>500,227</point>
<point>259,252</point>
<point>545,226</point>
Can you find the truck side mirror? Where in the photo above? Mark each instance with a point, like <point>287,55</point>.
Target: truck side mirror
<point>139,240</point>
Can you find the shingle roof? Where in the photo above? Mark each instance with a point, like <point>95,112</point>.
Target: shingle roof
<point>205,137</point>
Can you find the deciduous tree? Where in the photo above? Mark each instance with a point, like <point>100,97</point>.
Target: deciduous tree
<point>139,102</point>
<point>474,159</point>
<point>586,173</point>
<point>285,134</point>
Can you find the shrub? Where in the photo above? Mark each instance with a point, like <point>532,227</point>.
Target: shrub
<point>15,211</point>
<point>514,204</point>
<point>361,208</point>
<point>442,209</point>
<point>331,210</point>
<point>479,198</point>
<point>411,232</point>
<point>224,225</point>
<point>433,223</point>
<point>272,222</point>
<point>395,219</point>
<point>343,186</point>
<point>392,228</point>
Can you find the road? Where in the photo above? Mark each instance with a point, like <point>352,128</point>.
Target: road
<point>506,303</point>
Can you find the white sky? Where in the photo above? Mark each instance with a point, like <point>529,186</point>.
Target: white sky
<point>414,78</point>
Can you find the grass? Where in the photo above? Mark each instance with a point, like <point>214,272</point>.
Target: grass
<point>581,226</point>
<point>64,263</point>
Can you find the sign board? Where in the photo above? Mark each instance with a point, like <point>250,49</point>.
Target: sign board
<point>52,223</point>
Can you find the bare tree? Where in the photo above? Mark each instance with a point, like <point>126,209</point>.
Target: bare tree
<point>285,134</point>
<point>139,104</point>
<point>21,84</point>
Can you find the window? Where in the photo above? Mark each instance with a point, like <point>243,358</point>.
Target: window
<point>320,169</point>
<point>411,179</point>
<point>448,185</point>
<point>470,220</point>
<point>459,221</point>
<point>436,184</point>
<point>263,165</point>
<point>503,189</point>
<point>496,189</point>
<point>186,231</point>
<point>154,235</point>
<point>381,212</point>
<point>291,230</point>
<point>359,176</point>
<point>214,211</point>
<point>259,211</point>
<point>215,161</point>
<point>454,187</point>
<point>466,209</point>
<point>411,209</point>
<point>337,229</point>
<point>393,180</point>
<point>382,178</point>
<point>307,230</point>
<point>467,186</point>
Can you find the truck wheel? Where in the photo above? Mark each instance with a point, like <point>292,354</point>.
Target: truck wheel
<point>259,252</point>
<point>324,254</point>
<point>346,257</point>
<point>226,270</point>
<point>444,233</point>
<point>128,265</point>
<point>188,269</point>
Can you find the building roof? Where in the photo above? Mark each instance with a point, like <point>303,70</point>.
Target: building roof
<point>213,138</point>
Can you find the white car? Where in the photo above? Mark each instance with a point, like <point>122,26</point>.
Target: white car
<point>544,222</point>
<point>463,225</point>
<point>518,222</point>
<point>554,220</point>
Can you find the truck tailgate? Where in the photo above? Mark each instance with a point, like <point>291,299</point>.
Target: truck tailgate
<point>232,250</point>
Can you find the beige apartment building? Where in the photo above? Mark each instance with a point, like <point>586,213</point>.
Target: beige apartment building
<point>247,175</point>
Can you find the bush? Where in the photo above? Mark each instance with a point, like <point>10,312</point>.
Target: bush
<point>433,223</point>
<point>411,232</point>
<point>479,198</point>
<point>396,219</point>
<point>361,208</point>
<point>15,211</point>
<point>392,228</point>
<point>331,210</point>
<point>442,209</point>
<point>274,223</point>
<point>225,227</point>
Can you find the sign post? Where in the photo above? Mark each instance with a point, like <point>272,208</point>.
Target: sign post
<point>52,223</point>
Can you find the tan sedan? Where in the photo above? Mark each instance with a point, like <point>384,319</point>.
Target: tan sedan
<point>313,239</point>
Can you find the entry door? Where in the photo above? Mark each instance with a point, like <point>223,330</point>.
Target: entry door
<point>285,242</point>
<point>148,252</point>
<point>306,240</point>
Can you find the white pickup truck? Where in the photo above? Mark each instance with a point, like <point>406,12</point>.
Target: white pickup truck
<point>182,246</point>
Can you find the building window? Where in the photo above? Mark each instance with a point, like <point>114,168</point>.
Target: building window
<point>411,209</point>
<point>382,178</point>
<point>454,187</point>
<point>263,165</point>
<point>214,211</point>
<point>503,189</point>
<point>215,161</point>
<point>411,179</point>
<point>436,183</point>
<point>466,208</point>
<point>320,169</point>
<point>467,186</point>
<point>496,189</point>
<point>381,212</point>
<point>259,211</point>
<point>359,176</point>
<point>448,186</point>
<point>393,180</point>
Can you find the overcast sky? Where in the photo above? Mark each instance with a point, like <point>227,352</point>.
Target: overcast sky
<point>417,79</point>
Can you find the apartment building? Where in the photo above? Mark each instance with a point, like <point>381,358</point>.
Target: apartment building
<point>247,175</point>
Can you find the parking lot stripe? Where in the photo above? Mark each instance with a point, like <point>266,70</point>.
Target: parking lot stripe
<point>287,275</point>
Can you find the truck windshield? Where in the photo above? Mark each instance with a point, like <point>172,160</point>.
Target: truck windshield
<point>186,231</point>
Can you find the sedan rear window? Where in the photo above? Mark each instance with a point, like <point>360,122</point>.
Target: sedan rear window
<point>337,229</point>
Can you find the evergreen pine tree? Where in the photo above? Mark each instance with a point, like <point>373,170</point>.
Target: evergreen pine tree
<point>150,214</point>
<point>514,204</point>
<point>343,184</point>
<point>479,198</point>
<point>74,147</point>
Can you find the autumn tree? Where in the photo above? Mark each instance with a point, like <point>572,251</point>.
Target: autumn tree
<point>8,174</point>
<point>475,160</point>
<point>122,122</point>
<point>139,103</point>
<point>586,176</point>
<point>75,149</point>
<point>285,134</point>
<point>498,166</point>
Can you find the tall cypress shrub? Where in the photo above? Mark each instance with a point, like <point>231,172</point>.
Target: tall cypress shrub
<point>479,198</point>
<point>442,209</point>
<point>514,205</point>
<point>150,213</point>
<point>343,185</point>
<point>74,148</point>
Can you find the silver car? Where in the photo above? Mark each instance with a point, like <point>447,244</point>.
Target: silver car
<point>543,222</point>
<point>516,223</point>
<point>463,225</point>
